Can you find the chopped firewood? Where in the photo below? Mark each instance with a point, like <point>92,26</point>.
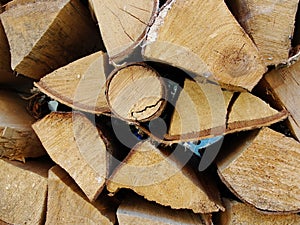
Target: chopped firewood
<point>136,210</point>
<point>23,189</point>
<point>152,174</point>
<point>237,213</point>
<point>262,169</point>
<point>284,85</point>
<point>17,139</point>
<point>270,24</point>
<point>80,84</point>
<point>203,37</point>
<point>75,144</point>
<point>136,93</point>
<point>68,205</point>
<point>123,24</point>
<point>45,35</point>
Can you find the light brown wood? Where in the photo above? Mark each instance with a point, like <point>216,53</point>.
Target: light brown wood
<point>270,24</point>
<point>152,174</point>
<point>17,139</point>
<point>136,93</point>
<point>67,204</point>
<point>239,213</point>
<point>262,169</point>
<point>284,85</point>
<point>23,189</point>
<point>123,24</point>
<point>73,142</point>
<point>204,38</point>
<point>80,84</point>
<point>45,35</point>
<point>136,210</point>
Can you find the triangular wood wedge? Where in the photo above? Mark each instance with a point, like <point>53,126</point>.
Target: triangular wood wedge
<point>23,189</point>
<point>204,110</point>
<point>270,24</point>
<point>237,213</point>
<point>262,169</point>
<point>284,84</point>
<point>68,205</point>
<point>75,144</point>
<point>123,24</point>
<point>80,84</point>
<point>203,37</point>
<point>17,139</point>
<point>136,210</point>
<point>45,35</point>
<point>152,174</point>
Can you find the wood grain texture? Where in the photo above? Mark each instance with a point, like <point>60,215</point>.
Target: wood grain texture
<point>157,177</point>
<point>74,143</point>
<point>202,37</point>
<point>262,169</point>
<point>68,205</point>
<point>23,189</point>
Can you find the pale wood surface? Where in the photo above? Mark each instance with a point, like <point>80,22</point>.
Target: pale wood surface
<point>45,35</point>
<point>80,84</point>
<point>263,170</point>
<point>204,38</point>
<point>73,142</point>
<point>17,139</point>
<point>150,173</point>
<point>270,24</point>
<point>123,24</point>
<point>239,213</point>
<point>284,85</point>
<point>23,189</point>
<point>136,210</point>
<point>68,205</point>
<point>136,93</point>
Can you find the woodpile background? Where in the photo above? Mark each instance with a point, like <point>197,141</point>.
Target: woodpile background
<point>149,112</point>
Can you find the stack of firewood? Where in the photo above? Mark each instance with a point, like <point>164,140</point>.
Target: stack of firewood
<point>147,112</point>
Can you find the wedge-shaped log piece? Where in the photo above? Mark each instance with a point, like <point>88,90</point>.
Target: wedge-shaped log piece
<point>152,174</point>
<point>74,143</point>
<point>123,24</point>
<point>237,213</point>
<point>45,35</point>
<point>284,84</point>
<point>270,24</point>
<point>204,110</point>
<point>23,189</point>
<point>17,139</point>
<point>262,169</point>
<point>136,93</point>
<point>136,210</point>
<point>204,38</point>
<point>67,204</point>
<point>80,84</point>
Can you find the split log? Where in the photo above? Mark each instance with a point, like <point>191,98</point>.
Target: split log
<point>134,210</point>
<point>36,29</point>
<point>237,213</point>
<point>270,24</point>
<point>68,205</point>
<point>17,139</point>
<point>202,37</point>
<point>75,144</point>
<point>23,189</point>
<point>284,86</point>
<point>80,84</point>
<point>152,174</point>
<point>123,24</point>
<point>262,169</point>
<point>136,93</point>
<point>212,112</point>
